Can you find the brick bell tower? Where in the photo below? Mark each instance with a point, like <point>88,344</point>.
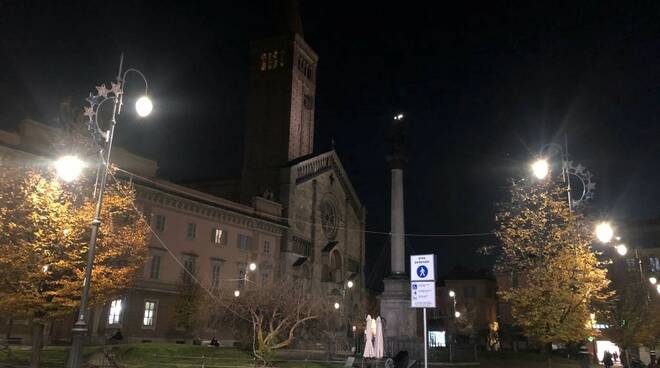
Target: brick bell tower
<point>280,104</point>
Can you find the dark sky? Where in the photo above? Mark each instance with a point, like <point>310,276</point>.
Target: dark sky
<point>482,86</point>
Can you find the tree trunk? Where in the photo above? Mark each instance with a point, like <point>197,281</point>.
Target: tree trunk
<point>9,328</point>
<point>37,342</point>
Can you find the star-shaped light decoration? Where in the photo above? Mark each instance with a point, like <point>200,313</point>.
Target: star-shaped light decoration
<point>116,88</point>
<point>102,90</point>
<point>89,112</point>
<point>93,100</point>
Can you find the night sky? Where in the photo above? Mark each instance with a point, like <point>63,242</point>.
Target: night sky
<point>483,87</point>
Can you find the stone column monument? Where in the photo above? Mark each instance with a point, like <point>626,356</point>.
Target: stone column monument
<point>400,318</point>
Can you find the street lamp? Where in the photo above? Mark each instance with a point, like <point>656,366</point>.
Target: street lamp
<point>349,284</point>
<point>253,266</point>
<point>143,106</point>
<point>621,249</point>
<point>103,139</point>
<point>457,314</point>
<point>653,280</point>
<point>69,167</point>
<point>540,168</point>
<point>604,232</point>
<point>336,305</point>
<point>237,293</point>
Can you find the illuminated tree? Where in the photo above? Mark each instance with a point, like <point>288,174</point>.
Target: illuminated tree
<point>44,235</point>
<point>547,247</point>
<point>271,317</point>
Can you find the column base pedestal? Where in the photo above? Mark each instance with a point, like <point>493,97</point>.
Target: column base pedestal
<point>400,318</point>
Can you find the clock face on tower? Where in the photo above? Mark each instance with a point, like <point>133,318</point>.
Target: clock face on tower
<point>329,218</point>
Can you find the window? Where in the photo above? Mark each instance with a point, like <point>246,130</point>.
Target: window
<point>267,246</point>
<point>654,264</point>
<point>219,236</point>
<point>243,242</point>
<point>189,265</point>
<point>264,279</point>
<point>154,272</point>
<point>149,317</point>
<point>192,229</point>
<point>631,264</point>
<point>215,274</point>
<point>241,276</point>
<point>469,291</point>
<point>264,61</point>
<point>159,223</point>
<point>114,316</point>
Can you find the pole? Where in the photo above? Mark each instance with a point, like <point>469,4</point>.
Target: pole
<point>80,328</point>
<point>567,178</point>
<point>641,277</point>
<point>426,343</point>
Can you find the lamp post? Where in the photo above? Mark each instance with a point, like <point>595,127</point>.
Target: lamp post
<point>541,168</point>
<point>104,141</point>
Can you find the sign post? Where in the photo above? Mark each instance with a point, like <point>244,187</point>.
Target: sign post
<point>422,289</point>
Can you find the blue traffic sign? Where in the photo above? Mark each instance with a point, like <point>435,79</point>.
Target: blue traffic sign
<point>422,272</point>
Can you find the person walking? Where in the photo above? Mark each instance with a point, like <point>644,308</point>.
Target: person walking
<point>607,359</point>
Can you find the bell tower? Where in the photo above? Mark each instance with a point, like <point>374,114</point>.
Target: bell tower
<point>280,105</point>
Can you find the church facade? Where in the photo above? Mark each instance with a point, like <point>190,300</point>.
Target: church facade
<point>296,213</point>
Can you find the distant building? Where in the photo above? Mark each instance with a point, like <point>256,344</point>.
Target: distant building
<point>475,296</point>
<point>294,213</point>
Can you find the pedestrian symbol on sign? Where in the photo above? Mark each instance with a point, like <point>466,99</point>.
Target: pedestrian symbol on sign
<point>422,271</point>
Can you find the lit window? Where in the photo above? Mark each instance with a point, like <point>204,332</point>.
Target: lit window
<point>114,316</point>
<point>654,264</point>
<point>264,59</point>
<point>267,246</point>
<point>149,313</point>
<point>154,273</point>
<point>219,236</point>
<point>159,223</point>
<point>243,242</point>
<point>215,274</point>
<point>192,229</point>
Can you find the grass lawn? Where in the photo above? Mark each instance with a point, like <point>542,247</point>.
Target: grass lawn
<point>153,355</point>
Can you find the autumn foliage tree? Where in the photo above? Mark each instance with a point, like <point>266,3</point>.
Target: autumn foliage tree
<point>44,235</point>
<point>548,248</point>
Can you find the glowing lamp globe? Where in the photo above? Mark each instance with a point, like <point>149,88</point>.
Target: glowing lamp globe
<point>452,294</point>
<point>622,249</point>
<point>237,293</point>
<point>253,266</point>
<point>143,106</point>
<point>653,280</point>
<point>540,169</point>
<point>657,287</point>
<point>69,168</point>
<point>604,232</point>
<point>336,305</point>
<point>457,314</point>
<point>350,284</point>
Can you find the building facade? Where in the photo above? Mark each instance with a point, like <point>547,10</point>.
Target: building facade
<point>293,213</point>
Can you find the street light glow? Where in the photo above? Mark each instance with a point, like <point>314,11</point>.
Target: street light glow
<point>69,168</point>
<point>237,293</point>
<point>349,284</point>
<point>604,232</point>
<point>540,168</point>
<point>253,266</point>
<point>622,249</point>
<point>336,305</point>
<point>657,287</point>
<point>452,294</point>
<point>143,106</point>
<point>457,314</point>
<point>653,280</point>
